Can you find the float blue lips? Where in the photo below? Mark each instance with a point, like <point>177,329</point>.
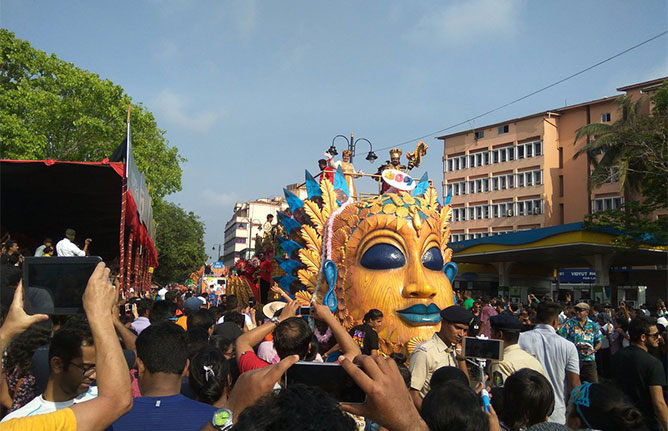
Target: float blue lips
<point>421,314</point>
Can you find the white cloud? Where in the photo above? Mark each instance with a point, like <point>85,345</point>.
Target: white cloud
<point>167,50</point>
<point>465,22</point>
<point>246,18</point>
<point>175,110</point>
<point>224,200</point>
<point>294,57</point>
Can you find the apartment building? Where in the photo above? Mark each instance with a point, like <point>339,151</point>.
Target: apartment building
<point>520,174</point>
<point>245,224</point>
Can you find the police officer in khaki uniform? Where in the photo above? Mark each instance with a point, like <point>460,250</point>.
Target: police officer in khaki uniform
<point>441,350</point>
<point>507,328</point>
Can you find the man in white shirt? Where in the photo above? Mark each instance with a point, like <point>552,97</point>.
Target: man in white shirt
<point>558,356</point>
<point>72,370</point>
<point>66,248</point>
<point>48,242</point>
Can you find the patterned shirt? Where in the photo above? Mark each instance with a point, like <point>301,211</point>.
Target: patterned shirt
<point>578,334</point>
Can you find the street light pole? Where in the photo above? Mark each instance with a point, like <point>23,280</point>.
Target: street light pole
<point>352,144</point>
<point>250,231</point>
<point>213,248</point>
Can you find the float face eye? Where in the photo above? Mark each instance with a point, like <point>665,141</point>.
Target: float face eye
<point>383,256</point>
<point>433,259</point>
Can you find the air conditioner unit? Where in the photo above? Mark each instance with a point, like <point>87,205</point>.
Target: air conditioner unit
<point>509,213</point>
<point>536,211</point>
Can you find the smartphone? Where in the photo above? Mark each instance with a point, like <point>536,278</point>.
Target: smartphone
<point>251,302</point>
<point>483,349</point>
<point>329,377</point>
<point>55,285</point>
<point>304,311</point>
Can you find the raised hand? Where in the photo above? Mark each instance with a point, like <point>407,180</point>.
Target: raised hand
<point>18,321</point>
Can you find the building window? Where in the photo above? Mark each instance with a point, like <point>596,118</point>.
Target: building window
<point>606,204</point>
<point>479,134</point>
<point>448,165</point>
<point>458,214</point>
<point>605,118</point>
<point>503,129</point>
<point>530,178</point>
<point>502,182</point>
<point>240,241</point>
<point>503,209</point>
<point>561,186</point>
<point>520,151</point>
<point>538,177</point>
<point>243,226</point>
<point>537,148</point>
<point>529,207</point>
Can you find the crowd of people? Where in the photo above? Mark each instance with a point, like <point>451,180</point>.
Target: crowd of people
<point>172,360</point>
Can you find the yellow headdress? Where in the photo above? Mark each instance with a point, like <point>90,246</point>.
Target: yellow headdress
<point>395,152</point>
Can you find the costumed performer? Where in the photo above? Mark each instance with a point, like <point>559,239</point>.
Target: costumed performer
<point>393,163</point>
<point>348,171</point>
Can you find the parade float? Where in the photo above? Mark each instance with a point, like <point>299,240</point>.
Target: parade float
<point>388,251</point>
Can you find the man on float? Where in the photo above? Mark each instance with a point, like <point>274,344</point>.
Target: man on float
<point>393,163</point>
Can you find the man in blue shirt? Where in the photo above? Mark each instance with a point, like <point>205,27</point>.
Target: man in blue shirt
<point>587,337</point>
<point>162,358</point>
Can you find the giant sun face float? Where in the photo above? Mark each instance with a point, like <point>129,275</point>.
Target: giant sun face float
<point>387,252</point>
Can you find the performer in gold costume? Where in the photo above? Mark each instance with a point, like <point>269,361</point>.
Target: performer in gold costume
<point>393,163</point>
<point>349,172</point>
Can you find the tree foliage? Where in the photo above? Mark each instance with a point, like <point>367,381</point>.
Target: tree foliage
<point>179,241</point>
<point>50,109</point>
<point>634,151</point>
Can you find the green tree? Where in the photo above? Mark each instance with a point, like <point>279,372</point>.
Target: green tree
<point>634,151</point>
<point>180,242</point>
<point>50,109</point>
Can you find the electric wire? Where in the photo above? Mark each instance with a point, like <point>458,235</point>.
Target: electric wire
<point>527,95</point>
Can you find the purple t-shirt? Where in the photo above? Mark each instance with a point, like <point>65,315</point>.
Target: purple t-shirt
<point>487,312</point>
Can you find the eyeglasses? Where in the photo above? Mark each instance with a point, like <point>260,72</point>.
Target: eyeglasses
<point>654,335</point>
<point>87,369</point>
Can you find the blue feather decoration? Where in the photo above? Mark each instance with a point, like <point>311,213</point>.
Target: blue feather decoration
<point>288,222</point>
<point>293,201</point>
<point>285,281</point>
<point>422,186</point>
<point>288,245</point>
<point>340,182</point>
<point>288,265</point>
<point>312,186</point>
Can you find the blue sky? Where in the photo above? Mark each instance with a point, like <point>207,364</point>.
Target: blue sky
<point>253,92</point>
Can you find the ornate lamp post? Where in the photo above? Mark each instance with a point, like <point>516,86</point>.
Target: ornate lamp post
<point>352,143</point>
